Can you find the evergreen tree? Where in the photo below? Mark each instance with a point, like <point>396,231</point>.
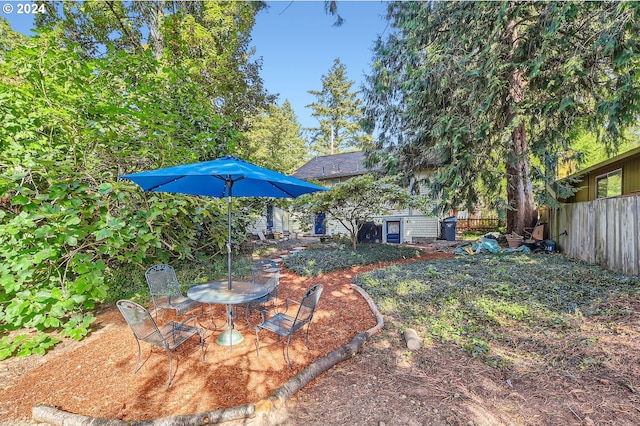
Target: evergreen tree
<point>496,90</point>
<point>274,139</point>
<point>339,112</point>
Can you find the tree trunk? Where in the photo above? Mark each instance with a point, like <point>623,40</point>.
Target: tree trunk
<point>153,15</point>
<point>522,209</point>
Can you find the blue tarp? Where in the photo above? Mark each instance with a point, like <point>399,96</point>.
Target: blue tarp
<point>489,245</point>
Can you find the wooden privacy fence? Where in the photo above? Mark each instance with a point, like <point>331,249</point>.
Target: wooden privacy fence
<point>604,231</point>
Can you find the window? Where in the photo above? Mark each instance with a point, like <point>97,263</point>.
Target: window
<point>609,185</point>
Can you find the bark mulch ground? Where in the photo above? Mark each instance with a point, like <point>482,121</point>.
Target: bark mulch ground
<point>94,377</point>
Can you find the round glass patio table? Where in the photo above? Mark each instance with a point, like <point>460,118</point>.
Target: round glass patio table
<point>219,293</point>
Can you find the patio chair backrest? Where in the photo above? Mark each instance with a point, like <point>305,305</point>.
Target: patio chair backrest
<point>141,322</point>
<point>162,281</point>
<point>259,272</point>
<point>272,282</point>
<point>307,307</point>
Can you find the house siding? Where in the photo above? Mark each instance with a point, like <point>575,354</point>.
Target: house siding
<point>282,222</point>
<point>414,228</point>
<point>417,229</point>
<point>629,163</point>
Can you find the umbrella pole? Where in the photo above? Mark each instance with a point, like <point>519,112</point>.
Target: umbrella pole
<point>230,185</point>
<point>231,336</point>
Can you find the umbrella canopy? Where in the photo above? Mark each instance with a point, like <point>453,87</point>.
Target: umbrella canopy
<point>228,176</point>
<point>225,177</point>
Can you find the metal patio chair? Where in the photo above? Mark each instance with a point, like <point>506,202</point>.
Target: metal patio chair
<point>272,282</point>
<point>285,325</point>
<point>168,336</point>
<point>165,291</point>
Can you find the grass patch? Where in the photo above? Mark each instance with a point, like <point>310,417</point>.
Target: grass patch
<point>498,308</point>
<point>320,260</point>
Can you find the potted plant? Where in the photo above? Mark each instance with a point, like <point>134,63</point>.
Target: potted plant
<point>514,240</point>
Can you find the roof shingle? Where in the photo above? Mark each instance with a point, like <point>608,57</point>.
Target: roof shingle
<point>334,166</point>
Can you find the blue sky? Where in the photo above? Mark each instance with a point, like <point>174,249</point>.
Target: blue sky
<point>298,43</point>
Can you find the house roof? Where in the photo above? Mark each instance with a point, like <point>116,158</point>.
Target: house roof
<point>334,166</point>
<point>595,167</point>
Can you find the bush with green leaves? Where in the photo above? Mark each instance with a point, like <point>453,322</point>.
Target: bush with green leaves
<point>318,260</point>
<point>56,245</point>
<point>69,126</point>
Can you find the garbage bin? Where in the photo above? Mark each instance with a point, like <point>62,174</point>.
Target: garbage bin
<point>549,246</point>
<point>448,228</point>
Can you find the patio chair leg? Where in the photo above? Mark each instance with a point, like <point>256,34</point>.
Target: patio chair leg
<point>287,353</point>
<point>201,334</point>
<point>246,315</point>
<point>257,343</point>
<point>170,378</point>
<point>135,370</point>
<point>307,337</point>
<point>211,315</point>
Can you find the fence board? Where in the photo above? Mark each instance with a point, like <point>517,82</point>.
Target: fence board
<point>561,224</point>
<point>615,256</point>
<point>591,239</point>
<point>636,221</point>
<point>600,225</point>
<point>604,231</point>
<point>626,236</point>
<point>611,219</point>
<point>479,224</point>
<point>628,231</point>
<point>578,248</point>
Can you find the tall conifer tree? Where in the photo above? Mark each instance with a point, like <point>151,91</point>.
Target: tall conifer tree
<point>339,112</point>
<point>496,90</point>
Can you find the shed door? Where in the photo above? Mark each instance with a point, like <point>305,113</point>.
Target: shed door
<point>393,232</point>
<point>319,228</point>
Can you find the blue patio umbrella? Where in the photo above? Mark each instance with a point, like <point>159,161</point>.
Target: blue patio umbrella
<point>225,177</point>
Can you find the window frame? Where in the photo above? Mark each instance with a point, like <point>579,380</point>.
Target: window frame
<point>606,176</point>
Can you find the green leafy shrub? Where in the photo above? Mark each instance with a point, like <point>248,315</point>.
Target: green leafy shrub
<point>320,260</point>
<point>69,231</point>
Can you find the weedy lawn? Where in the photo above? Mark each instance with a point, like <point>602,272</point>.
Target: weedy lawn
<point>506,309</point>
